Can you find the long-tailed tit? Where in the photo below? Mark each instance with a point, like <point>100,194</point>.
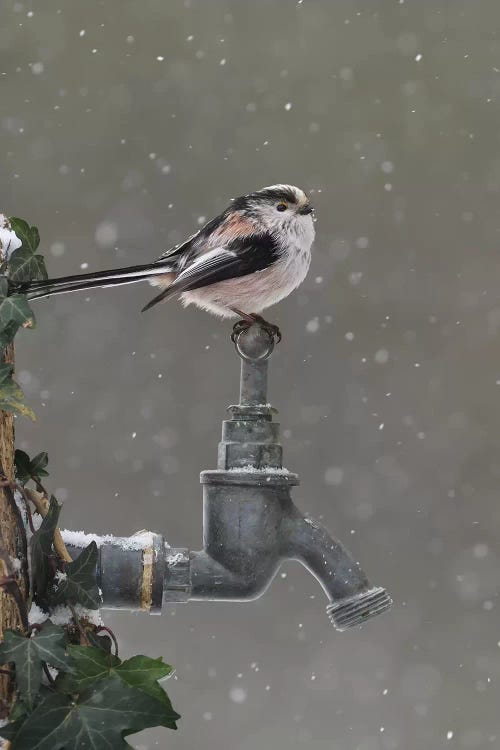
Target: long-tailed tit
<point>246,259</point>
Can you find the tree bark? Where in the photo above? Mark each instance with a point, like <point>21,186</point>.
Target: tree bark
<point>9,539</point>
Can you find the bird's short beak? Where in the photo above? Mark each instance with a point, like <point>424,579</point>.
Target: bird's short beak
<point>307,209</point>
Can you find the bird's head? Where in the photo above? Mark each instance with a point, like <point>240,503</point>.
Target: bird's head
<point>279,208</point>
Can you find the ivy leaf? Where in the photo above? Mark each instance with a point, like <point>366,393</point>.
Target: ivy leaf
<point>7,334</point>
<point>6,371</point>
<point>22,464</point>
<point>38,465</point>
<point>50,642</point>
<point>41,551</point>
<point>97,719</point>
<point>11,395</point>
<point>143,673</point>
<point>20,710</point>
<point>24,266</point>
<point>9,731</point>
<point>90,664</point>
<point>93,664</point>
<point>14,403</point>
<point>15,309</point>
<point>28,654</point>
<point>30,468</point>
<point>28,235</point>
<point>79,584</point>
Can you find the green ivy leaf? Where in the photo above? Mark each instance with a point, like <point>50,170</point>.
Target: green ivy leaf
<point>6,371</point>
<point>28,655</point>
<point>24,266</point>
<point>11,395</point>
<point>15,309</point>
<point>93,664</point>
<point>79,584</point>
<point>9,731</point>
<point>28,235</point>
<point>20,710</point>
<point>30,468</point>
<point>22,465</point>
<point>51,644</point>
<point>7,334</point>
<point>38,465</point>
<point>41,552</point>
<point>90,664</point>
<point>16,405</point>
<point>97,719</point>
<point>143,673</point>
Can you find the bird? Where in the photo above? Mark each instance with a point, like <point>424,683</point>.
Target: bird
<point>249,257</point>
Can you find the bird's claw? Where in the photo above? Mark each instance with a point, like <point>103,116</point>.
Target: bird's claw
<point>239,327</point>
<point>270,328</point>
<point>243,325</point>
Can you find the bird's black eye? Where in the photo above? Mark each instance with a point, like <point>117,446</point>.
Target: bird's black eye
<point>281,207</point>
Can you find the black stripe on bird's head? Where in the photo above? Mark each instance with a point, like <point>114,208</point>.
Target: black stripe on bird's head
<point>282,198</point>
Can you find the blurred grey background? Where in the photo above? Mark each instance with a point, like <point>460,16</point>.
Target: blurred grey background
<point>123,126</point>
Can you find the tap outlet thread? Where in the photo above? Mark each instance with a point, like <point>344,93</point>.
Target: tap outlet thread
<point>357,609</point>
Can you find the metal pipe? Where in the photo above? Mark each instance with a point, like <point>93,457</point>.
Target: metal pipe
<point>250,524</point>
<point>130,570</point>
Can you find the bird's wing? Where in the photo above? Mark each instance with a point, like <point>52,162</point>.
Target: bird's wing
<point>185,247</point>
<point>237,258</point>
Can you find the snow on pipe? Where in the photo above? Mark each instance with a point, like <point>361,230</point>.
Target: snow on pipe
<point>130,570</point>
<point>250,525</point>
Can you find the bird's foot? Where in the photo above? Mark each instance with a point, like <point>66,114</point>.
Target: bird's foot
<point>270,328</point>
<point>240,327</point>
<point>243,325</point>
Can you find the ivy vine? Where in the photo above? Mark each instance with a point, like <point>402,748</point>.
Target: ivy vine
<point>72,691</point>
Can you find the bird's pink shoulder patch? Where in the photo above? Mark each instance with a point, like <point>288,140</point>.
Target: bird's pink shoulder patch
<point>234,226</point>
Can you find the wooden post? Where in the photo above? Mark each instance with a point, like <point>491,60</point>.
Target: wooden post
<point>9,538</point>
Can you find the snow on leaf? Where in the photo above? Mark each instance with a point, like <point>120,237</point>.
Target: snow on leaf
<point>29,236</point>
<point>9,241</point>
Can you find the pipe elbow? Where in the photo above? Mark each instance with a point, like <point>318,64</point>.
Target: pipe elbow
<point>212,580</point>
<point>352,599</point>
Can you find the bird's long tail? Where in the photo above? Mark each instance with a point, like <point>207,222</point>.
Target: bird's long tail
<point>130,275</point>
